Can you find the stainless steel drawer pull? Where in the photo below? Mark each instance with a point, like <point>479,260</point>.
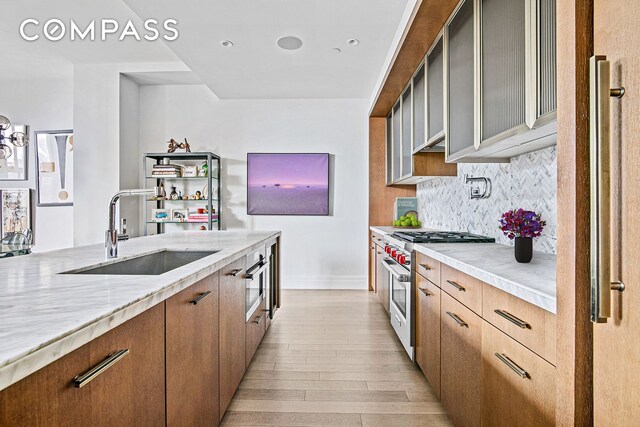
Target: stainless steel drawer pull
<point>424,291</point>
<point>513,365</point>
<point>426,267</point>
<point>82,380</point>
<point>256,270</point>
<point>235,272</point>
<point>513,319</point>
<point>200,297</point>
<point>259,319</point>
<point>457,286</point>
<point>457,319</point>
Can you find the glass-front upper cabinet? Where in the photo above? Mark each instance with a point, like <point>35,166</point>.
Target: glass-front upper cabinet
<point>459,72</point>
<point>517,72</point>
<point>419,110</point>
<point>407,145</point>
<point>388,157</point>
<point>435,92</point>
<point>396,142</point>
<point>502,62</point>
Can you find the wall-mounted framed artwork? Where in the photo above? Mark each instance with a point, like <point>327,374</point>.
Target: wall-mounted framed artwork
<point>288,183</point>
<point>54,166</point>
<point>16,211</point>
<point>14,161</point>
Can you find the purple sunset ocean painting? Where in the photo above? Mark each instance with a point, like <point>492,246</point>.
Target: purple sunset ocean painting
<point>287,184</point>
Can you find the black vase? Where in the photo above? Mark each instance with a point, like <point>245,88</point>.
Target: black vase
<point>524,249</point>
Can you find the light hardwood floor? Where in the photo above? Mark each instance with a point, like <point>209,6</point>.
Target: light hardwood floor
<point>331,358</point>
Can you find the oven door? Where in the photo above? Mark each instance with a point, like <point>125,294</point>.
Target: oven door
<point>255,285</point>
<point>401,304</point>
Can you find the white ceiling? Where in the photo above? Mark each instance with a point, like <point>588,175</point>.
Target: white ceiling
<point>46,59</point>
<point>256,68</point>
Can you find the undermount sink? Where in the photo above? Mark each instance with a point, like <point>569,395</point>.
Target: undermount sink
<point>147,265</point>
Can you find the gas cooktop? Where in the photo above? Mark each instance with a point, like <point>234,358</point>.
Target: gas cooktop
<point>441,237</point>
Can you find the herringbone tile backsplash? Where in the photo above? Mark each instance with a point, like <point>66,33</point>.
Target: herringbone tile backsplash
<point>528,182</point>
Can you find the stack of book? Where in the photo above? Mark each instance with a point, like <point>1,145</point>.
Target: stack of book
<point>196,217</point>
<point>167,171</point>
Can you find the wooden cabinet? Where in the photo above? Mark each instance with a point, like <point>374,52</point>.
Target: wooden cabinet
<point>232,330</point>
<point>464,288</point>
<point>255,329</point>
<point>128,392</point>
<point>372,265</point>
<point>428,331</point>
<point>382,280</point>
<point>428,268</point>
<point>192,355</point>
<point>532,326</point>
<point>461,362</point>
<point>518,386</point>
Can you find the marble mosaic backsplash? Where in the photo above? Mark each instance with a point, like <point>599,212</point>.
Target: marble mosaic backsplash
<point>529,182</point>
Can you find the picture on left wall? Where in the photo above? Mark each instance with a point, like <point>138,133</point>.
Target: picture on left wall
<point>15,211</point>
<point>54,166</point>
<point>14,160</point>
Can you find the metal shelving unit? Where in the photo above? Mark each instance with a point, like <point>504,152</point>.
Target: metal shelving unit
<point>212,180</point>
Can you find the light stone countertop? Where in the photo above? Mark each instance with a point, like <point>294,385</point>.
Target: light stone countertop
<point>495,265</point>
<point>45,315</point>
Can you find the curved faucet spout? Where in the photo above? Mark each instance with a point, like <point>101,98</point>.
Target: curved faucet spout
<point>111,235</point>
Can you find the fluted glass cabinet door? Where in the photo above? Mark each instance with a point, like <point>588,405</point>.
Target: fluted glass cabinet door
<point>435,90</point>
<point>419,109</point>
<point>459,39</point>
<point>406,132</point>
<point>503,56</point>
<point>396,144</point>
<point>547,76</point>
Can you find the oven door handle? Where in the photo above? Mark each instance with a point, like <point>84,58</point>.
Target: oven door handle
<point>256,270</point>
<point>397,271</point>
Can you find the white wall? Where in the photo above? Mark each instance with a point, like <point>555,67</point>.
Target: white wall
<point>317,252</point>
<point>129,153</point>
<point>96,120</point>
<point>44,105</point>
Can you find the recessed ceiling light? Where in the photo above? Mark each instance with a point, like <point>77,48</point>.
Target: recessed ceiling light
<point>336,50</point>
<point>226,43</point>
<point>289,43</point>
<point>353,42</point>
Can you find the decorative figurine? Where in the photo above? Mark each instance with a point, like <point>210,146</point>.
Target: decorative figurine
<point>198,195</point>
<point>174,194</point>
<point>174,145</point>
<point>179,195</point>
<point>203,228</point>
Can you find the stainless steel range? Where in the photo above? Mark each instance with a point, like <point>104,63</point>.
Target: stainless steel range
<point>399,259</point>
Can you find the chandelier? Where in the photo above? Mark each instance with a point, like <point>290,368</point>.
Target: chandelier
<point>18,139</point>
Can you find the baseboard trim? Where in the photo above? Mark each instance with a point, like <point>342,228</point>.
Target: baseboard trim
<point>325,282</point>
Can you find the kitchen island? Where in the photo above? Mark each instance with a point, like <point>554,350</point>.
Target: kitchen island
<point>47,315</point>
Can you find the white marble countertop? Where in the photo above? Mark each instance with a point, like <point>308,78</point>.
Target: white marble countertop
<point>495,265</point>
<point>45,315</point>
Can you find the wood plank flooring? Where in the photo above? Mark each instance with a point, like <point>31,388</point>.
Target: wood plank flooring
<point>331,358</point>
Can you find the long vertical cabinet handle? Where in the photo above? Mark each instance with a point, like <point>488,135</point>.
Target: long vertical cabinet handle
<point>600,158</point>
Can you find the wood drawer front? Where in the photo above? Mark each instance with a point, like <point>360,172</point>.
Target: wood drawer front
<point>461,362</point>
<point>255,330</point>
<point>129,392</point>
<point>532,326</point>
<point>428,331</point>
<point>464,288</point>
<point>519,389</point>
<point>429,268</point>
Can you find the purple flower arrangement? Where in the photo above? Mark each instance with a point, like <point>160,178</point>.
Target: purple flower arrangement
<point>521,223</point>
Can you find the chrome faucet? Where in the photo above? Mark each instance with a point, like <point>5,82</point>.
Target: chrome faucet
<point>111,235</point>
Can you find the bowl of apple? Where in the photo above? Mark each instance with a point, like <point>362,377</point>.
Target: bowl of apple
<point>408,221</point>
